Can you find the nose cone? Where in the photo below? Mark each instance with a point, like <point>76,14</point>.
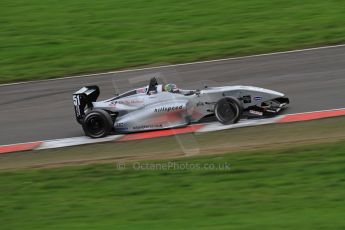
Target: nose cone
<point>278,94</point>
<point>263,90</point>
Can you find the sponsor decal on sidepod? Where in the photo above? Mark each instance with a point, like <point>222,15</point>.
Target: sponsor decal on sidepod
<point>168,109</point>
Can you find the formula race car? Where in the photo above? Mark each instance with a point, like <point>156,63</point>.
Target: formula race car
<point>162,106</point>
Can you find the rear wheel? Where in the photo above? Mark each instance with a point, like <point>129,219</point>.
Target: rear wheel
<point>97,123</point>
<point>228,110</point>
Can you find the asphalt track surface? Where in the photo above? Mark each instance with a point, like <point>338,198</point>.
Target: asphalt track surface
<point>313,79</point>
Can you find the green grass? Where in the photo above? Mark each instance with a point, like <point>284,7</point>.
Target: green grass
<point>295,188</point>
<point>49,38</point>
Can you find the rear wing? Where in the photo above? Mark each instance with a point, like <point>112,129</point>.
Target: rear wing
<point>82,98</point>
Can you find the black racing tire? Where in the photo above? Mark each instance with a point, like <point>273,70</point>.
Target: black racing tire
<point>228,110</point>
<point>97,123</point>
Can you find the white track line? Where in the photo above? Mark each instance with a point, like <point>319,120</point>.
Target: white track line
<point>181,64</point>
<point>216,126</point>
<point>73,141</point>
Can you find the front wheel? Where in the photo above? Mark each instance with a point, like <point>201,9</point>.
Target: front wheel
<point>228,110</point>
<point>97,123</point>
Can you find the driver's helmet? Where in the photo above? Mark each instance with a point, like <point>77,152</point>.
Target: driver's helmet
<point>170,88</point>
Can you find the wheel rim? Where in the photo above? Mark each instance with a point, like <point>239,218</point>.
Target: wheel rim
<point>226,111</point>
<point>95,124</point>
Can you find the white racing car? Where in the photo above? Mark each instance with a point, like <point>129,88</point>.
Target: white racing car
<point>159,106</point>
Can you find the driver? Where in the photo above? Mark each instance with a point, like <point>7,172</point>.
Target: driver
<point>172,88</point>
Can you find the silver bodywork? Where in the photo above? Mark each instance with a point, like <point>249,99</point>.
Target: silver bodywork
<point>138,110</point>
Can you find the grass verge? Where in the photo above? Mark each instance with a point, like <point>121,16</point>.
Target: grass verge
<point>45,39</point>
<point>291,188</point>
